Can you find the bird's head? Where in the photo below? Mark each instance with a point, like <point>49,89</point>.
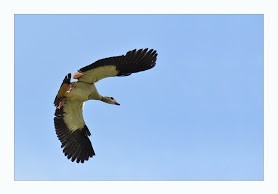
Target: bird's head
<point>109,100</point>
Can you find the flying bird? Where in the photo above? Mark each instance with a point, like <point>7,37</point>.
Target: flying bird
<point>69,123</point>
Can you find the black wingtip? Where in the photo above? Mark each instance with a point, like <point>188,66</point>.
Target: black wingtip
<point>76,145</point>
<point>137,60</point>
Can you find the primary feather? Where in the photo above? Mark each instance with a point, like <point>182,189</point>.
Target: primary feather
<point>132,62</point>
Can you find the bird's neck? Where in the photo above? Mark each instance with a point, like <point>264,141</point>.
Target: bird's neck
<point>106,99</point>
<point>94,95</point>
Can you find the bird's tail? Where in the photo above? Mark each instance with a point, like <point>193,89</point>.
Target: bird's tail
<point>62,90</point>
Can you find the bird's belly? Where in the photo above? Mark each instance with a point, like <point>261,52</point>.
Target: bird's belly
<point>80,92</point>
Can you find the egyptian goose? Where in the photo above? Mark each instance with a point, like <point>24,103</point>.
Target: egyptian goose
<point>69,123</point>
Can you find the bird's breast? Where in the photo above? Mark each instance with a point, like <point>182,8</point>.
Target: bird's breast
<point>94,94</point>
<point>80,91</point>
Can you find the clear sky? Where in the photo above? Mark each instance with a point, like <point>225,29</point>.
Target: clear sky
<point>198,115</point>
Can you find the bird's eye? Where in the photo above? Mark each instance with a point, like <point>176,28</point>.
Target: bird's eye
<point>112,98</point>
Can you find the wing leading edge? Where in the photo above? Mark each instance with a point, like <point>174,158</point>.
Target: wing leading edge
<point>132,62</point>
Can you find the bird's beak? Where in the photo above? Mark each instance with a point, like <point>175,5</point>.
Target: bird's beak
<point>117,103</point>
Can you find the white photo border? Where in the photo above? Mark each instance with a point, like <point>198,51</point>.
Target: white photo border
<point>11,7</point>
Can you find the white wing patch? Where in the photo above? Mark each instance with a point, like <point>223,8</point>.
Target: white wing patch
<point>96,74</point>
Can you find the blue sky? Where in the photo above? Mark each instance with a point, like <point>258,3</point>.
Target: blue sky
<point>198,115</point>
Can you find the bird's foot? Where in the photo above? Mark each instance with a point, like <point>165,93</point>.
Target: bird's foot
<point>61,104</point>
<point>69,88</point>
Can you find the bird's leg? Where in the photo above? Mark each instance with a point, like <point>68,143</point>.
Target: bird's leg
<point>69,88</point>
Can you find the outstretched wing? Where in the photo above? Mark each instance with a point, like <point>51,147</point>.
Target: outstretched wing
<point>132,62</point>
<point>63,88</point>
<point>73,132</point>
